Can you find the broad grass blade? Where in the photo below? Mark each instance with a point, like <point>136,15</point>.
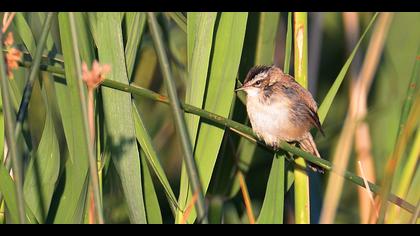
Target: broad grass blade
<point>118,114</point>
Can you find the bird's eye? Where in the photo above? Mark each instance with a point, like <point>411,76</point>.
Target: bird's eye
<point>258,82</point>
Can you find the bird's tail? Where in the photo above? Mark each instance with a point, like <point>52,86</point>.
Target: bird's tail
<point>308,144</point>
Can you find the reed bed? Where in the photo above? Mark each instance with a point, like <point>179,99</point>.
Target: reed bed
<point>133,118</point>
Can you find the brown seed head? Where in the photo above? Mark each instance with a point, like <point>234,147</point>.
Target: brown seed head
<point>96,76</point>
<point>13,55</point>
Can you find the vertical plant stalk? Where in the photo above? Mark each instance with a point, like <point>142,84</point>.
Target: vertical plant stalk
<point>356,112</point>
<point>91,118</point>
<point>11,140</point>
<point>93,79</point>
<point>302,202</point>
<point>179,119</point>
<point>93,170</point>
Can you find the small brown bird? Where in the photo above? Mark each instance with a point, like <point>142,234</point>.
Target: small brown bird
<point>280,109</point>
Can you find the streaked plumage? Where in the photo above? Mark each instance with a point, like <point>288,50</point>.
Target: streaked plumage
<point>280,109</point>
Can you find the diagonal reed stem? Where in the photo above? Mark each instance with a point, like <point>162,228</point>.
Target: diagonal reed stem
<point>179,118</point>
<point>239,128</point>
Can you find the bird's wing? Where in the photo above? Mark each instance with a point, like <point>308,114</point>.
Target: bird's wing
<point>312,108</point>
<point>314,118</point>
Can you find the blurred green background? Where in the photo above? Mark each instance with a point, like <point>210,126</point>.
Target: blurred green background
<point>328,48</point>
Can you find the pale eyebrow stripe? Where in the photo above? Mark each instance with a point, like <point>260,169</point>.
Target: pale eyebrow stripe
<point>259,77</point>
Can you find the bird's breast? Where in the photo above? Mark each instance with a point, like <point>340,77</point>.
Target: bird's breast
<point>272,122</point>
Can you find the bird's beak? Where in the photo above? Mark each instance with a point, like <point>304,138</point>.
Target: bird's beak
<point>239,89</point>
